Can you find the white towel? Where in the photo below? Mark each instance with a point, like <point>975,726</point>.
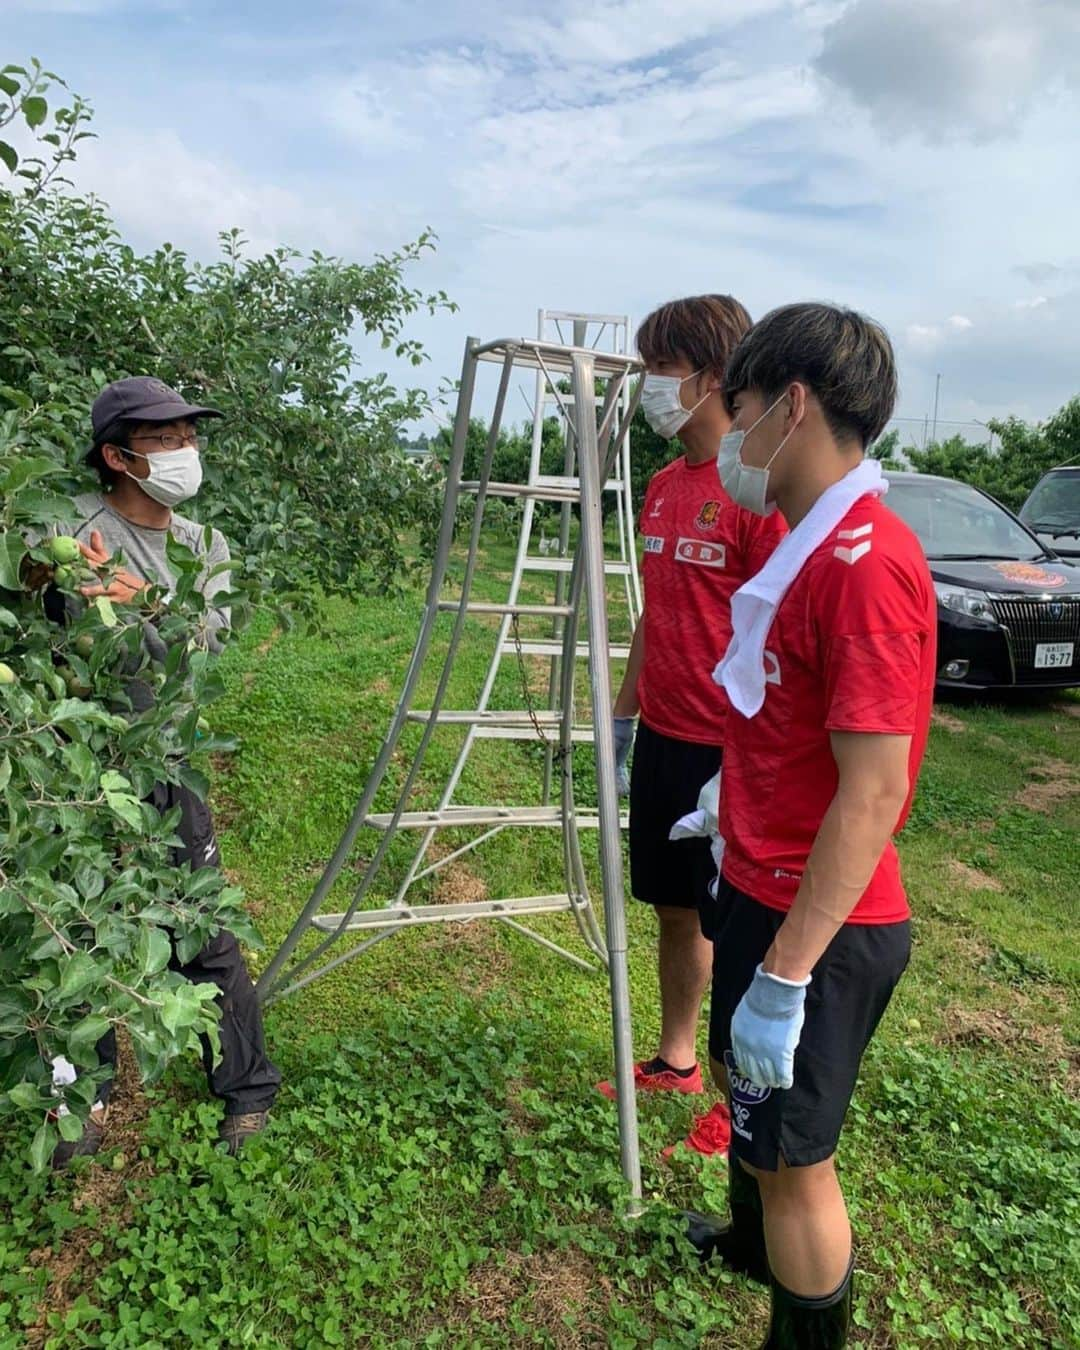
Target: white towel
<point>703,822</point>
<point>754,604</point>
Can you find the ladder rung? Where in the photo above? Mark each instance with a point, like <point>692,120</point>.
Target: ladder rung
<point>406,916</point>
<point>489,717</point>
<point>513,725</point>
<point>526,611</point>
<point>455,817</point>
<point>553,647</point>
<point>452,816</point>
<point>539,563</point>
<point>544,494</point>
<point>527,732</point>
<point>559,480</point>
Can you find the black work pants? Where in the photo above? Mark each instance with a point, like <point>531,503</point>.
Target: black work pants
<point>244,1077</point>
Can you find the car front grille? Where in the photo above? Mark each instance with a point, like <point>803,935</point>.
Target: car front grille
<point>1030,621</point>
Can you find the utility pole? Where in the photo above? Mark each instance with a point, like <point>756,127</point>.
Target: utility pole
<point>937,396</point>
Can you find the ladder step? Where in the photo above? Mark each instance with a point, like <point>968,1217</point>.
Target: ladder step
<point>547,488</point>
<point>512,725</point>
<point>553,647</point>
<point>407,916</point>
<point>561,480</point>
<point>526,611</point>
<point>454,817</point>
<point>540,563</point>
<point>527,732</point>
<point>544,494</point>
<point>466,717</point>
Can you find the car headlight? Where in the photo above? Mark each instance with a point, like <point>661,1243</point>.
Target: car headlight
<point>974,604</point>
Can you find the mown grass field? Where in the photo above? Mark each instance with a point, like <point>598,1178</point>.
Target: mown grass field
<point>439,1170</point>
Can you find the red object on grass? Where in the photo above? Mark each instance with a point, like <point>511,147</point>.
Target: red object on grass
<point>665,1081</point>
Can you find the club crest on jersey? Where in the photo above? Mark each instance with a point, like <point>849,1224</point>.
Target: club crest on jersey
<point>701,552</point>
<point>709,516</point>
<point>743,1090</point>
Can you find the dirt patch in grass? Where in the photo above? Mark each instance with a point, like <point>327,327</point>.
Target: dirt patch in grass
<point>265,646</point>
<point>547,1288</point>
<point>1008,1028</point>
<point>520,1115</point>
<point>1055,782</point>
<point>1069,709</point>
<point>99,1188</point>
<point>947,721</point>
<point>458,884</point>
<point>484,961</point>
<point>972,877</point>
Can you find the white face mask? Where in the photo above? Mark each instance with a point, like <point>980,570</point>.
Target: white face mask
<point>744,484</point>
<point>175,475</point>
<point>662,406</point>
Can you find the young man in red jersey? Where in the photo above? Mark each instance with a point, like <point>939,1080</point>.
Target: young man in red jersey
<point>830,673</point>
<point>698,548</point>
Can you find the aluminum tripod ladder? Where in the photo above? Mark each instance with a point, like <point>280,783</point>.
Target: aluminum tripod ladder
<point>596,439</point>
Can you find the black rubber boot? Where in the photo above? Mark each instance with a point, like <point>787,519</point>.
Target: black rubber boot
<point>810,1323</point>
<point>739,1242</point>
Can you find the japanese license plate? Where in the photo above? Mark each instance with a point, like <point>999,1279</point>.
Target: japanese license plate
<point>1053,655</point>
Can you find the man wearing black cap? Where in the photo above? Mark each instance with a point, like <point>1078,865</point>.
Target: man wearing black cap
<point>146,452</point>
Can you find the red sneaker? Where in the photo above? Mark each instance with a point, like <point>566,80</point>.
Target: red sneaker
<point>709,1135</point>
<point>667,1080</point>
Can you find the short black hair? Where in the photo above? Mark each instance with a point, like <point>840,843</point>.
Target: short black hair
<point>703,329</point>
<point>845,359</point>
<point>118,434</point>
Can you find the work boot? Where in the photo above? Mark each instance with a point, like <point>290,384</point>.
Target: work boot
<point>85,1146</point>
<point>235,1130</point>
<point>740,1241</point>
<point>810,1323</point>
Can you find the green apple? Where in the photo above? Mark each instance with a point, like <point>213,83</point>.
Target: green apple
<point>84,644</point>
<point>65,549</point>
<point>76,686</point>
<point>7,675</point>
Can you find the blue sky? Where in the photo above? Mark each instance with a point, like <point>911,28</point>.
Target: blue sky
<point>915,158</point>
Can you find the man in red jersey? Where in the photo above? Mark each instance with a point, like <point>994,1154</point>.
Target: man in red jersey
<point>830,673</point>
<point>698,548</point>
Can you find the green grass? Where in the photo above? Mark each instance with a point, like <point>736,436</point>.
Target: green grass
<point>439,1171</point>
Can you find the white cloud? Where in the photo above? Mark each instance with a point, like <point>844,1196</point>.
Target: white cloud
<point>160,189</point>
<point>945,69</point>
<point>611,32</point>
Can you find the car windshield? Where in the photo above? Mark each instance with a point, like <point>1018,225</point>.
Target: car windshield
<point>1054,504</point>
<point>953,520</point>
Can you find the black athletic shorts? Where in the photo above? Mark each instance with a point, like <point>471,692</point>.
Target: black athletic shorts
<point>849,991</point>
<point>665,778</point>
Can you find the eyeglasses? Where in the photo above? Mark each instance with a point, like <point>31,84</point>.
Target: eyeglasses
<point>170,441</point>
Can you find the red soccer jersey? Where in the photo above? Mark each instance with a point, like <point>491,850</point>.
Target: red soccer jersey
<point>852,648</point>
<point>699,549</point>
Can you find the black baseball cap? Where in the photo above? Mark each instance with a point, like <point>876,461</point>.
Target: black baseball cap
<point>139,399</point>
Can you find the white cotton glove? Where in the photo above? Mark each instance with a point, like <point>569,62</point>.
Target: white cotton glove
<point>624,740</point>
<point>766,1027</point>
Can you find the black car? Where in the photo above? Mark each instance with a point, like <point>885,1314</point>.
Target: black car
<point>1053,510</point>
<point>1008,608</point>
